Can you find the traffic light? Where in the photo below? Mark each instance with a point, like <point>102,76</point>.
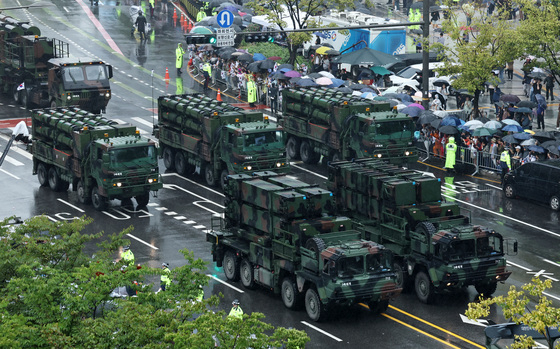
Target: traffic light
<point>259,38</point>
<point>201,39</point>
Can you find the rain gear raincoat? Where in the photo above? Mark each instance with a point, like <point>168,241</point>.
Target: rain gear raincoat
<point>450,152</point>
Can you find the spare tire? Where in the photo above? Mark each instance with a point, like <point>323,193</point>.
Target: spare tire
<point>316,245</point>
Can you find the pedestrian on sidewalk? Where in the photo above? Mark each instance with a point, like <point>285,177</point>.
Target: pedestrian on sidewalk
<point>510,70</point>
<point>540,116</point>
<point>549,86</point>
<point>558,120</point>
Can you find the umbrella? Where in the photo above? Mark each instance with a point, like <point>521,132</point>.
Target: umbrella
<point>482,119</point>
<point>315,75</point>
<point>364,10</point>
<point>368,95</point>
<point>521,136</point>
<point>380,70</point>
<point>411,111</point>
<point>512,128</point>
<point>523,110</point>
<point>542,135</point>
<point>245,57</point>
<point>227,54</point>
<point>366,89</point>
<point>510,139</point>
<point>527,104</point>
<point>324,81</point>
<point>416,105</point>
<point>366,56</point>
<point>201,30</point>
<point>306,83</point>
<point>483,131</point>
<point>448,129</point>
<point>451,120</point>
<point>286,65</point>
<point>529,142</point>
<point>217,3</point>
<point>267,64</point>
<point>254,67</point>
<point>535,148</point>
<point>510,98</point>
<point>294,80</point>
<point>275,58</point>
<point>238,53</point>
<point>292,74</point>
<point>322,50</point>
<point>538,75</point>
<point>510,122</point>
<point>401,106</point>
<point>284,70</point>
<point>357,87</point>
<point>435,8</point>
<point>258,57</point>
<point>440,82</point>
<point>493,124</point>
<point>332,52</point>
<point>391,95</point>
<point>426,118</point>
<point>321,35</point>
<point>344,89</point>
<point>327,74</point>
<point>380,98</point>
<point>553,149</point>
<point>417,5</point>
<point>540,99</point>
<point>472,123</point>
<point>404,97</point>
<point>435,123</point>
<point>337,82</point>
<point>555,143</point>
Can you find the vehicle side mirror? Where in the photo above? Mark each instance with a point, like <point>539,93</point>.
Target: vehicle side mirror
<point>515,247</point>
<point>110,71</point>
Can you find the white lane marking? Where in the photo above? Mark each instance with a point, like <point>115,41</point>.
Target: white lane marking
<point>493,186</point>
<point>152,204</point>
<point>552,262</point>
<point>171,213</point>
<point>519,266</point>
<point>194,183</point>
<point>9,174</point>
<point>199,227</point>
<point>161,208</point>
<point>197,203</point>
<point>189,222</point>
<point>180,217</point>
<point>225,283</point>
<point>13,161</point>
<point>142,121</point>
<point>321,331</point>
<point>549,295</point>
<point>503,216</point>
<point>142,241</point>
<point>69,204</point>
<point>447,188</point>
<point>204,200</point>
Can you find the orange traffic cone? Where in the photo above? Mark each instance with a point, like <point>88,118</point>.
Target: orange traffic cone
<point>175,14</point>
<point>219,96</point>
<point>186,23</point>
<point>166,74</point>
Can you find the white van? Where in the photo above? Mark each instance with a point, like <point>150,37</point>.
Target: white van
<point>411,74</point>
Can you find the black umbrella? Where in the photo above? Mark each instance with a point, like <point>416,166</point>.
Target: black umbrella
<point>226,54</point>
<point>538,75</point>
<point>294,80</point>
<point>254,67</point>
<point>510,139</point>
<point>333,52</point>
<point>357,87</point>
<point>526,104</point>
<point>541,136</point>
<point>306,82</point>
<point>267,64</point>
<point>315,75</point>
<point>280,76</point>
<point>426,116</point>
<point>448,130</point>
<point>553,149</point>
<point>554,143</point>
<point>435,123</point>
<point>417,5</point>
<point>510,98</point>
<point>482,119</point>
<point>344,89</point>
<point>246,57</point>
<point>366,56</point>
<point>435,8</point>
<point>440,82</point>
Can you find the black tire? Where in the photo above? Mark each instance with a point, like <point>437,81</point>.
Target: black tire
<point>292,148</point>
<point>509,191</point>
<point>180,163</point>
<point>403,279</point>
<point>168,158</point>
<point>43,174</point>
<point>231,266</point>
<point>486,289</point>
<point>142,200</point>
<point>379,306</point>
<point>64,185</point>
<point>316,245</point>
<point>55,183</point>
<point>223,178</point>
<point>554,202</point>
<point>307,153</point>
<point>427,227</point>
<point>209,175</point>
<point>99,202</point>
<point>424,288</point>
<point>83,195</point>
<point>246,274</point>
<point>290,294</point>
<point>315,309</point>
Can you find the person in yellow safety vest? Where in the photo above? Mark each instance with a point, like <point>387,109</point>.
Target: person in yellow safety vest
<point>179,52</point>
<point>236,311</point>
<point>505,162</point>
<point>200,295</point>
<point>450,151</point>
<point>128,256</point>
<point>412,18</point>
<point>251,91</point>
<point>165,279</point>
<point>200,15</point>
<point>207,72</point>
<point>417,17</point>
<point>152,6</point>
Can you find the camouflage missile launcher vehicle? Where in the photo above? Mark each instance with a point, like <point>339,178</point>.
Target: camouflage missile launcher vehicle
<point>436,247</point>
<point>100,158</point>
<point>319,122</point>
<point>280,233</point>
<point>197,133</point>
<point>38,71</point>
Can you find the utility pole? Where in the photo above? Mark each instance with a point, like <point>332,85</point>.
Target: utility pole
<point>425,55</point>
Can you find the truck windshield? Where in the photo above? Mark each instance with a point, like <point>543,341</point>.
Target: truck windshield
<point>393,129</point>
<point>84,76</point>
<point>488,246</point>
<point>95,72</point>
<point>73,74</point>
<point>270,138</point>
<point>350,266</point>
<point>459,250</point>
<point>377,262</point>
<point>133,157</point>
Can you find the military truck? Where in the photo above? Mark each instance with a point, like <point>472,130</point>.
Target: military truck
<point>199,134</point>
<point>435,246</point>
<point>38,71</point>
<point>102,160</point>
<point>319,122</point>
<point>280,233</point>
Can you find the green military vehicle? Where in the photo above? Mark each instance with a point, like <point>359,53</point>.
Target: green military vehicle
<point>38,71</point>
<point>435,246</point>
<point>100,158</point>
<point>280,233</point>
<point>337,126</point>
<point>199,134</point>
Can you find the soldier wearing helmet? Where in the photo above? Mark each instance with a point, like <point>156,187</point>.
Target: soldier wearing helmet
<point>236,311</point>
<point>450,153</point>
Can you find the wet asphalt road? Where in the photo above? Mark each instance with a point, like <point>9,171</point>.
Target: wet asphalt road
<point>181,213</point>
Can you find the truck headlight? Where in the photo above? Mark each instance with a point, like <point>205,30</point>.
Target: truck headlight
<point>278,164</point>
<point>108,94</point>
<point>68,97</point>
<point>406,153</point>
<point>152,180</point>
<point>379,155</point>
<point>118,184</point>
<point>249,168</point>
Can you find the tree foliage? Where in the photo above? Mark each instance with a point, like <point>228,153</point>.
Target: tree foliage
<point>516,306</point>
<point>55,296</point>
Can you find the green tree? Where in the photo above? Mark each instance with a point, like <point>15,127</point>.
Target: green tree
<point>55,296</point>
<point>516,306</point>
<point>492,42</point>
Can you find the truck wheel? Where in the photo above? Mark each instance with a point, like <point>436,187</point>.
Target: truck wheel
<point>99,202</point>
<point>378,307</point>
<point>223,178</point>
<point>292,148</point>
<point>315,309</point>
<point>180,163</point>
<point>209,175</point>
<point>316,245</point>
<point>307,154</point>
<point>246,273</point>
<point>509,191</point>
<point>554,203</point>
<point>403,279</point>
<point>64,185</point>
<point>168,158</point>
<point>42,174</point>
<point>486,289</point>
<point>424,288</point>
<point>142,200</point>
<point>54,180</point>
<point>83,196</point>
<point>231,266</point>
<point>290,294</point>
